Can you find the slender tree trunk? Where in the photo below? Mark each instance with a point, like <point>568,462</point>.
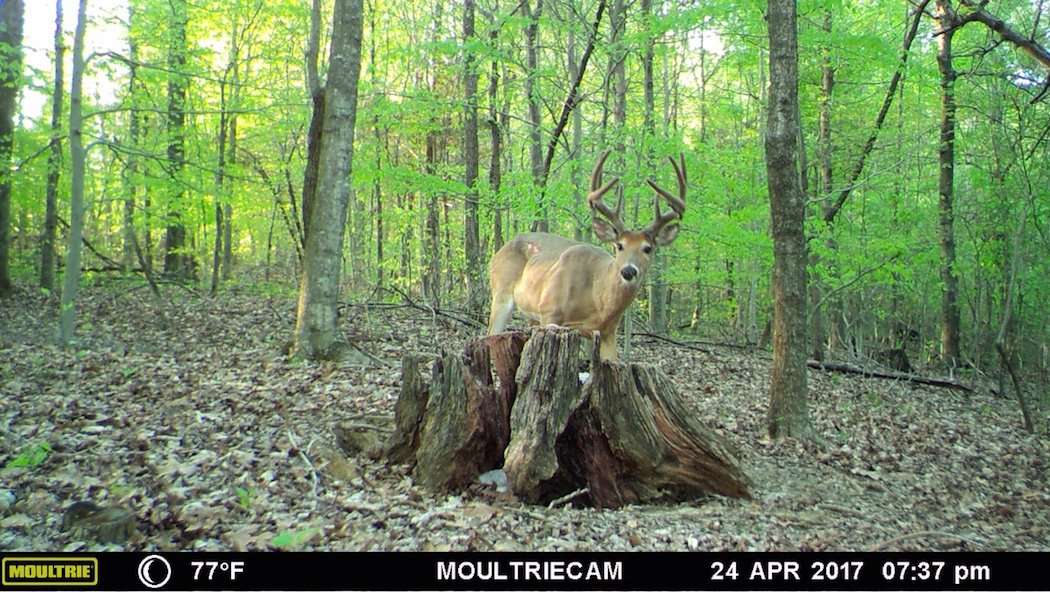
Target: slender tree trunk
<point>231,156</point>
<point>827,86</point>
<point>317,330</point>
<point>617,56</point>
<point>71,278</point>
<point>581,229</point>
<point>788,414</point>
<point>657,286</point>
<point>11,16</point>
<point>132,171</point>
<point>496,136</point>
<point>377,189</point>
<point>946,23</point>
<point>432,279</point>
<point>177,262</point>
<point>541,222</point>
<point>220,183</point>
<point>471,238</point>
<point>317,117</point>
<point>54,163</point>
<point>227,224</point>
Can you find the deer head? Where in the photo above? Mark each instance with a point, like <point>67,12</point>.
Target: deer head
<point>635,248</point>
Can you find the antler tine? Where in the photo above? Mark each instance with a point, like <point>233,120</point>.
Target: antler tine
<point>594,198</point>
<point>677,203</point>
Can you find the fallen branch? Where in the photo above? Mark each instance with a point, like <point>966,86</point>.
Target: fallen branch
<point>848,369</point>
<point>567,498</point>
<point>436,311</point>
<point>674,342</point>
<point>925,533</point>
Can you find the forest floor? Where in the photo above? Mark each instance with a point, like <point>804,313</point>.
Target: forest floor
<point>187,413</point>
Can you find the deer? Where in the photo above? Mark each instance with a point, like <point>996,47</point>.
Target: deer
<point>553,280</point>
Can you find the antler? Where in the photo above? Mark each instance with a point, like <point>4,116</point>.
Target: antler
<point>677,203</point>
<point>594,198</point>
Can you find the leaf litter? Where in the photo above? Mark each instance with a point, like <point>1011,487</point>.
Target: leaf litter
<point>193,418</point>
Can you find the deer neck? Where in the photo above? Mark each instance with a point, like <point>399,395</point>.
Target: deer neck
<point>614,294</point>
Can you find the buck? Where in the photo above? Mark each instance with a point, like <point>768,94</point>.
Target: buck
<point>556,281</point>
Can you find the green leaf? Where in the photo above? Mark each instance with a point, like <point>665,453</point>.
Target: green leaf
<point>31,456</point>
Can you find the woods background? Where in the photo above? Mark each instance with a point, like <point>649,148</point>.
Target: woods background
<point>197,118</point>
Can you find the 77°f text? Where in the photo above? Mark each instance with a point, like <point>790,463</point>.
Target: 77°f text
<point>605,571</point>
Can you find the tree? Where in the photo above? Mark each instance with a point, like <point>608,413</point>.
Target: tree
<point>54,163</point>
<point>178,262</point>
<point>532,96</point>
<point>313,137</point>
<point>946,24</point>
<point>471,238</point>
<point>11,13</point>
<point>788,413</point>
<point>317,333</point>
<point>71,279</point>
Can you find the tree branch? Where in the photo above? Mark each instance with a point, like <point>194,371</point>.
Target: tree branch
<point>571,99</point>
<point>833,210</point>
<point>1026,44</point>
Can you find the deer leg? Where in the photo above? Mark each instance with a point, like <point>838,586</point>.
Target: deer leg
<point>502,309</point>
<point>607,347</point>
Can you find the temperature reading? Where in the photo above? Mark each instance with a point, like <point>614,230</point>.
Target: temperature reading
<point>229,567</point>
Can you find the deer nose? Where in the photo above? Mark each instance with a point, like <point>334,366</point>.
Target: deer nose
<point>629,272</point>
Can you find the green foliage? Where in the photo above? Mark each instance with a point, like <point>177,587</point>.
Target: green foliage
<point>245,497</point>
<point>881,256</point>
<point>291,539</point>
<point>31,456</point>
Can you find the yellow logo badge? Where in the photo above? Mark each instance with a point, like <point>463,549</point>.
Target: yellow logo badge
<point>50,571</point>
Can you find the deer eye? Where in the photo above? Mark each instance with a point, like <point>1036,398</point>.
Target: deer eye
<point>647,249</point>
<point>619,246</point>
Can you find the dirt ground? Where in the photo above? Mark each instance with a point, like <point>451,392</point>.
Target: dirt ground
<point>186,413</point>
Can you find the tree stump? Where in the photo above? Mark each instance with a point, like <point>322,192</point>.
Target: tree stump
<point>515,401</point>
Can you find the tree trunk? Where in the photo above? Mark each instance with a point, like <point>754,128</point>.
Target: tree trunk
<point>617,56</point>
<point>827,86</point>
<point>541,222</point>
<point>377,189</point>
<point>624,435</point>
<point>177,261</point>
<point>71,278</point>
<point>11,17</point>
<point>496,136</point>
<point>227,225</point>
<point>54,163</point>
<point>471,238</point>
<point>317,117</point>
<point>131,179</point>
<point>657,286</point>
<point>432,252</point>
<point>220,189</point>
<point>946,23</point>
<point>788,414</point>
<point>582,227</point>
<point>317,331</point>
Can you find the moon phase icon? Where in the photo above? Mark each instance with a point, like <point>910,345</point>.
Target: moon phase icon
<point>144,571</point>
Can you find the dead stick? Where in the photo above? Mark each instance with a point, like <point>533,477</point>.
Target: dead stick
<point>567,498</point>
<point>924,533</point>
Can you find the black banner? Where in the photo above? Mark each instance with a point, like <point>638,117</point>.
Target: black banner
<point>525,571</point>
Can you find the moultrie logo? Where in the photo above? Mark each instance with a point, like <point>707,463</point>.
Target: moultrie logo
<point>50,571</point>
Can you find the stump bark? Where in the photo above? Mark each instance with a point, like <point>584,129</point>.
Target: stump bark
<point>517,402</point>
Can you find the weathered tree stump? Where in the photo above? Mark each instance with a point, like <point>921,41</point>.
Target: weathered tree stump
<point>624,434</point>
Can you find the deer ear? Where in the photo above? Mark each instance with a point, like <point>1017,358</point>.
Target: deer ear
<point>604,230</point>
<point>667,235</point>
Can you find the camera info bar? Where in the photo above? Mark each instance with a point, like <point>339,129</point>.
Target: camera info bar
<point>525,571</point>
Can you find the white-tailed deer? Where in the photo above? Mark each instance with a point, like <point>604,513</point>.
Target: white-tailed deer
<point>557,281</point>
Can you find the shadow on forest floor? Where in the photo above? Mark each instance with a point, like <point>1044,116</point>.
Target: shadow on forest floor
<point>189,416</point>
